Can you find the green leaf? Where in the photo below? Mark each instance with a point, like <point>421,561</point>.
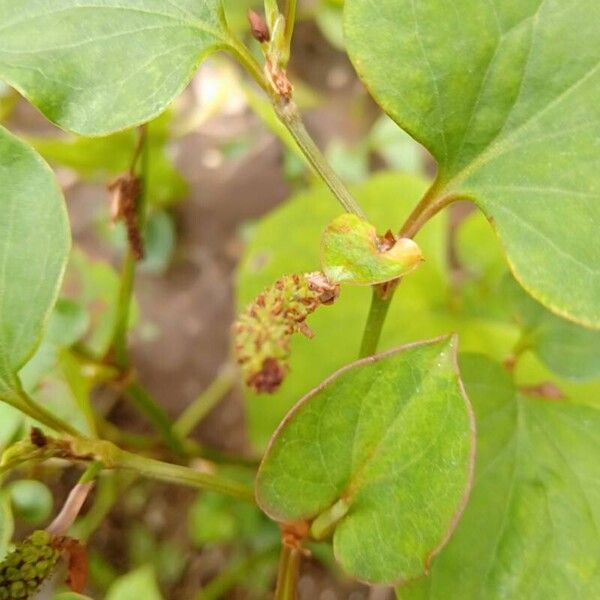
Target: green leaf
<point>393,436</point>
<point>34,246</point>
<point>531,527</point>
<point>566,348</point>
<point>70,596</point>
<point>287,241</point>
<point>504,94</point>
<point>352,252</point>
<point>140,583</point>
<point>32,500</point>
<point>11,424</point>
<point>97,68</point>
<point>68,323</point>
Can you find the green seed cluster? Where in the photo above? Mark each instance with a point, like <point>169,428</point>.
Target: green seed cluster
<point>25,569</point>
<point>263,331</point>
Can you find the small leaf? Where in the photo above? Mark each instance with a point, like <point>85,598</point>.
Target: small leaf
<point>140,583</point>
<point>32,500</point>
<point>566,348</point>
<point>392,436</point>
<point>352,252</point>
<point>504,94</point>
<point>98,68</point>
<point>531,527</point>
<point>34,246</point>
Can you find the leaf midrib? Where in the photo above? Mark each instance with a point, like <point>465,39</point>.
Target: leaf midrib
<point>354,482</point>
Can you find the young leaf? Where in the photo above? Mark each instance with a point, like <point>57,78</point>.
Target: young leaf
<point>393,436</point>
<point>95,68</point>
<point>531,527</point>
<point>507,102</point>
<point>352,252</point>
<point>566,348</point>
<point>34,246</point>
<point>136,584</point>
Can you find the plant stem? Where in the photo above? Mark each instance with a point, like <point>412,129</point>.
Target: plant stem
<point>156,469</point>
<point>290,21</point>
<point>243,55</point>
<point>375,321</point>
<point>156,415</point>
<point>22,402</point>
<point>289,115</point>
<point>287,576</point>
<point>120,348</point>
<point>92,471</point>
<point>324,525</point>
<point>428,207</point>
<point>206,401</point>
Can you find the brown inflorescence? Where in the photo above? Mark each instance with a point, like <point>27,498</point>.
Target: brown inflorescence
<point>263,331</point>
<point>125,193</point>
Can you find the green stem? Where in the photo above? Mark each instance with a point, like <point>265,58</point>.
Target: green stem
<point>324,525</point>
<point>375,321</point>
<point>426,209</point>
<point>289,115</point>
<point>22,402</point>
<point>287,576</point>
<point>108,491</point>
<point>290,21</point>
<point>156,469</point>
<point>206,401</point>
<point>245,58</point>
<point>156,415</point>
<point>119,344</point>
<point>235,572</point>
<point>92,471</point>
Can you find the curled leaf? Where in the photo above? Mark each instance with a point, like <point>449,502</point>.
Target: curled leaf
<point>264,330</point>
<point>352,252</point>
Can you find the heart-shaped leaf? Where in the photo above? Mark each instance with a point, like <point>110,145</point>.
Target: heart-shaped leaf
<point>531,527</point>
<point>95,68</point>
<point>352,252</point>
<point>505,95</point>
<point>34,247</point>
<point>391,436</point>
